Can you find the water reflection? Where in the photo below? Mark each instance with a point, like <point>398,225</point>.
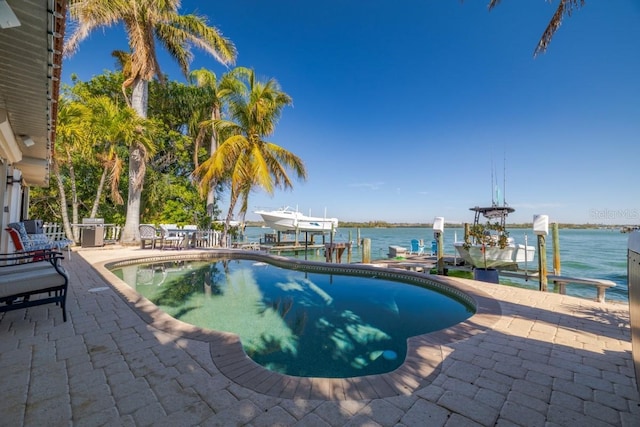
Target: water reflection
<point>298,323</point>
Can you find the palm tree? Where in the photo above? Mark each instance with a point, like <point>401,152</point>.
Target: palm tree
<point>113,126</point>
<point>566,7</point>
<point>145,23</point>
<point>72,136</point>
<point>244,158</point>
<point>217,90</point>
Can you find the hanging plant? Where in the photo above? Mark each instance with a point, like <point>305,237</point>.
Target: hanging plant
<point>487,234</point>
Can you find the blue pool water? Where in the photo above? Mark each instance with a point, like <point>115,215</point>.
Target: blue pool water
<point>299,323</point>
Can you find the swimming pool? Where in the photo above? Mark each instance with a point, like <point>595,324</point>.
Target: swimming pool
<point>297,322</point>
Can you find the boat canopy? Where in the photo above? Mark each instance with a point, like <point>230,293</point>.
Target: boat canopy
<point>494,211</point>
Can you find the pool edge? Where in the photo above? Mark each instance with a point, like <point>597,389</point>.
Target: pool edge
<point>423,362</point>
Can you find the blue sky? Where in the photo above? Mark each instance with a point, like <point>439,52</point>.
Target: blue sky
<point>402,110</point>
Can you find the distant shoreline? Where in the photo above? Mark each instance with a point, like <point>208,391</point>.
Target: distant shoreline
<point>382,224</point>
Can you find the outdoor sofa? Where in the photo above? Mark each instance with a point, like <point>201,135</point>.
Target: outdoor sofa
<point>28,236</point>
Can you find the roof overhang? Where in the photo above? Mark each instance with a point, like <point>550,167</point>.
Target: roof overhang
<point>29,85</point>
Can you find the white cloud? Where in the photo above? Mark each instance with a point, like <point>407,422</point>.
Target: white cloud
<point>370,185</point>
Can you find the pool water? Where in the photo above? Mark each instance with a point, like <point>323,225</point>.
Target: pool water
<point>299,323</point>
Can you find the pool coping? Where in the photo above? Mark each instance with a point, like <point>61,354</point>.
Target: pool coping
<point>425,353</point>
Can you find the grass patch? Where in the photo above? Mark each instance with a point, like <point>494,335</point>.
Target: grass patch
<point>454,273</point>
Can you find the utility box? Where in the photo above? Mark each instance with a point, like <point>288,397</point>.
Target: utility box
<point>92,232</point>
<point>397,251</point>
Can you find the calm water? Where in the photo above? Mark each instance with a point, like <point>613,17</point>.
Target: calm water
<point>299,323</point>
<point>593,253</point>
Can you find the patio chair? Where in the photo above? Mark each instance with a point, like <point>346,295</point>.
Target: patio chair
<point>171,237</point>
<point>23,275</point>
<point>416,247</point>
<point>22,241</point>
<point>190,233</point>
<point>148,233</point>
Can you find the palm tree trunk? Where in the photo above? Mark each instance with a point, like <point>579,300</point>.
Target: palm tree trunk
<point>137,168</point>
<point>96,202</point>
<point>233,198</point>
<point>63,200</point>
<point>140,97</point>
<point>130,233</point>
<point>211,194</point>
<point>74,197</point>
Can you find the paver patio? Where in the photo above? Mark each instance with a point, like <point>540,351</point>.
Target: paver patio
<point>544,360</point>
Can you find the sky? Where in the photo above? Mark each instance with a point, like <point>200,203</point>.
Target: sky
<point>406,111</point>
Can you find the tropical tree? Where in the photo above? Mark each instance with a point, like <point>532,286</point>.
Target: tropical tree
<point>145,23</point>
<point>114,127</point>
<point>216,90</point>
<point>565,7</point>
<point>244,158</point>
<point>72,135</point>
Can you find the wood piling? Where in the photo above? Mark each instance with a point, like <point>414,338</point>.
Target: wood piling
<point>556,249</point>
<point>542,262</point>
<point>366,251</point>
<point>441,253</point>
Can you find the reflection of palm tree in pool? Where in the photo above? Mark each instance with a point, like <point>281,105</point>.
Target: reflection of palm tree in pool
<point>283,307</point>
<point>178,289</point>
<point>351,340</point>
<point>213,279</point>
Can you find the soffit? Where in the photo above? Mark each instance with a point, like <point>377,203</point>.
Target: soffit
<point>29,77</point>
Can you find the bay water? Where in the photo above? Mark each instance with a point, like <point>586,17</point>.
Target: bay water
<point>587,253</point>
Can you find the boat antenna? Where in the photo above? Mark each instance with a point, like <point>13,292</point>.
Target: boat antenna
<point>504,179</point>
<point>493,186</point>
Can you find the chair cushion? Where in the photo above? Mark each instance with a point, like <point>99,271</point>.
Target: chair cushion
<point>39,241</point>
<point>29,281</point>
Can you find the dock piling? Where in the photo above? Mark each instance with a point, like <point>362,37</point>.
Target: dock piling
<point>556,248</point>
<point>366,251</point>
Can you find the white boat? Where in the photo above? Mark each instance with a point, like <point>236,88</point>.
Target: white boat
<point>285,219</point>
<point>490,253</point>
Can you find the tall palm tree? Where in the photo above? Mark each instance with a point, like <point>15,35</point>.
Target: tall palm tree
<point>566,7</point>
<point>207,79</point>
<point>244,158</point>
<point>217,89</point>
<point>72,136</point>
<point>146,22</point>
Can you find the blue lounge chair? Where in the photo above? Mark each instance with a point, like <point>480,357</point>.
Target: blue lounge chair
<point>416,247</point>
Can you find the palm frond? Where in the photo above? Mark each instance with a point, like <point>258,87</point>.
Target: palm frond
<point>566,7</point>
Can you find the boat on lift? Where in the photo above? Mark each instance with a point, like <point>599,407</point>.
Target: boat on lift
<point>488,244</point>
<point>495,249</point>
<point>286,219</point>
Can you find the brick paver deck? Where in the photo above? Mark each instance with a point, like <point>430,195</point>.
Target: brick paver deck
<point>532,359</point>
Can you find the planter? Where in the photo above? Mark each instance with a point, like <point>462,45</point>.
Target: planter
<point>489,275</point>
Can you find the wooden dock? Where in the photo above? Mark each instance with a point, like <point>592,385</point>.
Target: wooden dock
<point>560,282</point>
<point>426,264</point>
